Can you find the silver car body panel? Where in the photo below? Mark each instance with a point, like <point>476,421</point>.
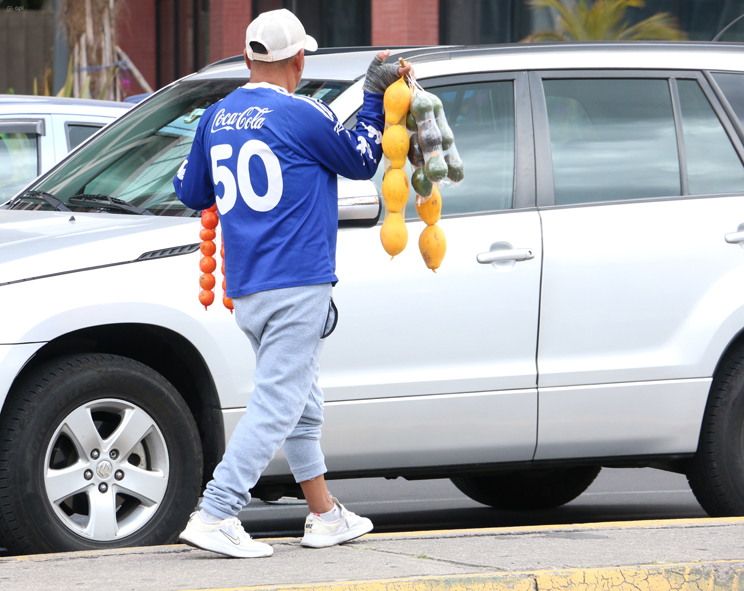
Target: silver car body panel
<point>485,427</point>
<point>630,419</point>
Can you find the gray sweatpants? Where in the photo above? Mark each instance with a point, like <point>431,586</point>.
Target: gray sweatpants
<point>286,408</point>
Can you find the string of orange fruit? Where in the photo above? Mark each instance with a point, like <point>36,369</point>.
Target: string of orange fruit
<point>207,264</point>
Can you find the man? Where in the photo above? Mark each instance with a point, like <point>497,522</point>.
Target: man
<point>269,159</point>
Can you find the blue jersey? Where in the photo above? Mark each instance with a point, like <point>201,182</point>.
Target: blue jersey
<point>269,159</point>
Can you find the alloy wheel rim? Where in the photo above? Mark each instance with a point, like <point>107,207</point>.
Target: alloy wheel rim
<point>106,469</point>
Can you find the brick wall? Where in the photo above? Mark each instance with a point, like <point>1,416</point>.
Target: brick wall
<point>228,20</point>
<point>394,22</point>
<point>405,22</point>
<point>136,32</point>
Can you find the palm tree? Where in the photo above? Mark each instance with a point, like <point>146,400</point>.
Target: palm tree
<point>604,21</point>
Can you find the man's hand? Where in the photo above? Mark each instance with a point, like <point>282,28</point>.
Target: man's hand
<point>381,75</point>
<point>402,71</point>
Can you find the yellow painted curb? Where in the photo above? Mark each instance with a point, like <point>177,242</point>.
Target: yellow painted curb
<point>726,575</point>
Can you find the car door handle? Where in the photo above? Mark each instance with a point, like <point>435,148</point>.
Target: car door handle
<point>514,254</point>
<point>734,237</point>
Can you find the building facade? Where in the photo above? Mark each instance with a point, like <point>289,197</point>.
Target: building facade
<point>170,38</point>
<point>167,39</point>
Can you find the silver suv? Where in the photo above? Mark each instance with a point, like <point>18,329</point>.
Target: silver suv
<point>588,312</point>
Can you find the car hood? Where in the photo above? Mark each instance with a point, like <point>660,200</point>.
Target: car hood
<point>35,244</point>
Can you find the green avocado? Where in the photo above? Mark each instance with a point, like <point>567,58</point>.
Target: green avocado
<point>430,138</point>
<point>436,169</point>
<point>420,183</point>
<point>448,138</point>
<point>415,155</point>
<point>411,122</point>
<point>436,104</point>
<point>455,170</point>
<point>421,106</point>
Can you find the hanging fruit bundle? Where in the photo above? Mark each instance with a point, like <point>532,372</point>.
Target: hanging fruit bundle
<point>432,152</point>
<point>207,264</point>
<point>394,234</point>
<point>226,301</point>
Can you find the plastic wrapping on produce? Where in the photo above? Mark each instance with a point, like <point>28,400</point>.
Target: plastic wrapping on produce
<point>415,154</point>
<point>455,169</point>
<point>436,141</point>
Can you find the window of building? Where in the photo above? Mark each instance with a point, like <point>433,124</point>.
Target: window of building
<point>333,23</point>
<point>712,163</point>
<point>181,39</point>
<point>468,22</point>
<point>612,139</point>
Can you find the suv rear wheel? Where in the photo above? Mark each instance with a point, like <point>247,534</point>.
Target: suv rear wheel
<point>716,473</point>
<point>528,489</point>
<point>97,451</point>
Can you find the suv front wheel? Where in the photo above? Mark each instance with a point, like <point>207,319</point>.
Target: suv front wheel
<point>98,451</point>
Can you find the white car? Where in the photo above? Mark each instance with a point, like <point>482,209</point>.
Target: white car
<point>588,312</point>
<point>36,132</point>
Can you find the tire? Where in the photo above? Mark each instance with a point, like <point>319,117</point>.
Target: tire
<point>716,472</point>
<point>527,490</point>
<point>96,451</point>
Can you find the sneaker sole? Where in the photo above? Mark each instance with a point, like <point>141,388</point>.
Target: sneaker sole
<point>223,548</point>
<point>326,541</point>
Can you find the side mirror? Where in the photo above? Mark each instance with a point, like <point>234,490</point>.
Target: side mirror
<point>359,204</point>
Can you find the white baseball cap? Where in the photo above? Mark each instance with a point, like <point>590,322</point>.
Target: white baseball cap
<point>281,33</point>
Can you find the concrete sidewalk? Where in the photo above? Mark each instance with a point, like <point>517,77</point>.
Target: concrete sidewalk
<point>703,554</point>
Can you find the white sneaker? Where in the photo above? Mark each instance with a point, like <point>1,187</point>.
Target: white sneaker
<point>225,537</point>
<point>320,534</point>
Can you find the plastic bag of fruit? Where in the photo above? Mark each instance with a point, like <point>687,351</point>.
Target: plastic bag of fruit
<point>433,150</point>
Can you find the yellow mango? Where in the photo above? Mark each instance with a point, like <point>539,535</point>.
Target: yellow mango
<point>430,211</point>
<point>394,234</point>
<point>432,245</point>
<point>395,144</point>
<point>395,189</point>
<point>396,100</point>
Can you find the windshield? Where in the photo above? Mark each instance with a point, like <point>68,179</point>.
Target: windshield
<point>324,90</point>
<point>136,158</point>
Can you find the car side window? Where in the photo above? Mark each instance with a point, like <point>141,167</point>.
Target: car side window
<point>713,165</point>
<point>19,162</point>
<point>77,133</point>
<point>481,116</point>
<point>612,139</point>
<point>732,86</point>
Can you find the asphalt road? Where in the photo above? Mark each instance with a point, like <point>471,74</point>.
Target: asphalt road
<point>400,505</point>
